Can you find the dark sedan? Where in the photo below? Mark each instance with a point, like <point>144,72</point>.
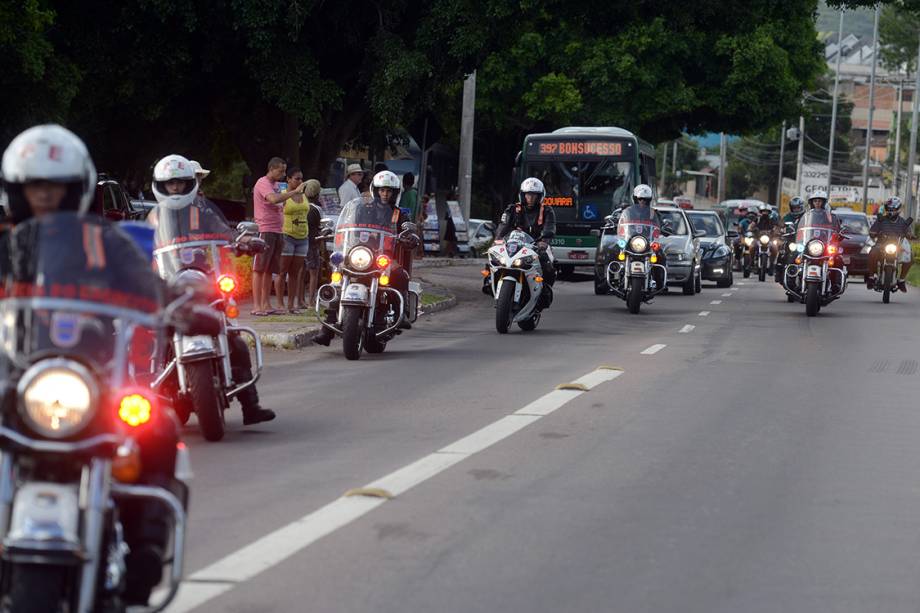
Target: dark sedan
<point>855,251</point>
<point>717,255</point>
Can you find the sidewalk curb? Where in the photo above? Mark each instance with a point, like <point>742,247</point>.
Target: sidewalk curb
<point>300,338</point>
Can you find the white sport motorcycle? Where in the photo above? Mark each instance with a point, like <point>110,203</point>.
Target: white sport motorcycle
<point>517,282</point>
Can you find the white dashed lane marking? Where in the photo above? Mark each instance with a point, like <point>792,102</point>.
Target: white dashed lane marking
<point>704,313</point>
<point>653,349</point>
<point>716,302</point>
<point>686,329</point>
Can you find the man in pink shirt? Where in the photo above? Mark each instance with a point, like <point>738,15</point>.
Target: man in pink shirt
<point>268,204</point>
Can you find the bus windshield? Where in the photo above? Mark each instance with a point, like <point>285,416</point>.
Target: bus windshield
<point>583,190</point>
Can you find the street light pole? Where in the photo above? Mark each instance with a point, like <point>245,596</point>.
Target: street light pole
<point>830,153</point>
<point>912,156</point>
<point>782,151</point>
<point>722,169</point>
<point>865,177</point>
<point>466,143</point>
<point>800,157</point>
<point>897,141</point>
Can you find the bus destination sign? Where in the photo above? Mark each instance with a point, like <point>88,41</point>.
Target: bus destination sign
<point>577,147</point>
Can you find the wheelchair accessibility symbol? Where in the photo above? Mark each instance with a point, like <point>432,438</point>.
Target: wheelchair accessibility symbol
<point>589,212</point>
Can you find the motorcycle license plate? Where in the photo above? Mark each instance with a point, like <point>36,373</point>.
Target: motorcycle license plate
<point>578,255</point>
<point>846,260</point>
<point>637,267</point>
<point>813,272</point>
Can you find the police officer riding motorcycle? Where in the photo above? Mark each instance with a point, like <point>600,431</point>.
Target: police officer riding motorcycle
<point>890,229</point>
<point>92,468</point>
<point>790,221</point>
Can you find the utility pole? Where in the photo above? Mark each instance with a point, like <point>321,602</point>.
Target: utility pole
<point>782,151</point>
<point>865,177</point>
<point>466,143</point>
<point>674,161</point>
<point>912,156</point>
<point>897,140</point>
<point>722,169</point>
<point>830,153</point>
<point>800,157</point>
<point>664,171</point>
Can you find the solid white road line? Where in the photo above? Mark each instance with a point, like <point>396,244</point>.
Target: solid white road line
<point>716,302</point>
<point>704,313</point>
<point>686,329</point>
<point>653,349</point>
<point>275,547</point>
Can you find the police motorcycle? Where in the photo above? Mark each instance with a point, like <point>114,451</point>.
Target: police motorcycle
<point>785,251</point>
<point>636,274</point>
<point>367,311</point>
<point>192,250</point>
<point>516,279</point>
<point>80,422</point>
<point>892,255</point>
<point>813,278</point>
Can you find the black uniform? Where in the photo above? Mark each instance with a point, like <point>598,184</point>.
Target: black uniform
<point>540,223</point>
<point>891,227</point>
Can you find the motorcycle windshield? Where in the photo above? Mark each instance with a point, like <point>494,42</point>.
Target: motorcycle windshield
<point>82,290</point>
<point>816,224</point>
<point>364,222</point>
<point>638,220</point>
<point>516,240</point>
<point>191,237</point>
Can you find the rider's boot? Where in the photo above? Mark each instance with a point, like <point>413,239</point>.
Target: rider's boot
<point>902,285</point>
<point>325,335</point>
<point>870,282</point>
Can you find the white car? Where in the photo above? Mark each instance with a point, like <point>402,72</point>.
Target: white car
<point>481,233</point>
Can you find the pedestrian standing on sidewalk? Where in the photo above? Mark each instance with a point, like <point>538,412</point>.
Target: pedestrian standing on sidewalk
<point>408,199</point>
<point>313,261</point>
<point>349,189</point>
<point>268,204</point>
<point>295,240</point>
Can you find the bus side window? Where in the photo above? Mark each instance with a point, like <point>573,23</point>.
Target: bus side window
<point>647,172</point>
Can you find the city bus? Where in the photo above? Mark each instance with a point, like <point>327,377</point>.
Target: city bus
<point>587,173</point>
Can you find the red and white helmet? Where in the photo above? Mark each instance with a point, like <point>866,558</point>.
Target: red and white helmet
<point>385,178</point>
<point>47,153</point>
<point>171,168</point>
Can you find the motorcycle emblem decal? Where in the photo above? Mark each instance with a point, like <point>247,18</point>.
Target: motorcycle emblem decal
<point>187,256</point>
<point>65,329</point>
<point>364,237</point>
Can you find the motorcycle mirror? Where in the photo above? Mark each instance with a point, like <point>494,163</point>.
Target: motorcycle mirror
<point>609,220</point>
<point>699,233</point>
<point>409,227</point>
<point>247,227</point>
<point>732,234</point>
<point>910,221</point>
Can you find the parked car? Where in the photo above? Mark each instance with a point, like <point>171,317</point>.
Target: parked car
<point>681,249</point>
<point>715,245</point>
<point>112,201</point>
<point>855,249</point>
<point>481,234</point>
<point>144,206</point>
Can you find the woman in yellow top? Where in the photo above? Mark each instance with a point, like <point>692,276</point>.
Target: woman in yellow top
<point>295,229</point>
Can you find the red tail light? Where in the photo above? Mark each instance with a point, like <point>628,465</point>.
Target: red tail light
<point>832,249</point>
<point>226,283</point>
<point>135,409</point>
<point>383,261</point>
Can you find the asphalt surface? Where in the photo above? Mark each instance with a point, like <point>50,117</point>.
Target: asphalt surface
<point>758,461</point>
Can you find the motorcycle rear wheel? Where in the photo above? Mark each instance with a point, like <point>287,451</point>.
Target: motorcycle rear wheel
<point>203,393</point>
<point>352,332</point>
<point>812,299</point>
<point>503,308</point>
<point>634,296</point>
<point>35,588</point>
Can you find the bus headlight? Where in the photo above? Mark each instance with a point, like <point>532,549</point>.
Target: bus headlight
<point>57,397</point>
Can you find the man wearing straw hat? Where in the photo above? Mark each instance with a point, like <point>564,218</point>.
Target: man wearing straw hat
<point>349,189</point>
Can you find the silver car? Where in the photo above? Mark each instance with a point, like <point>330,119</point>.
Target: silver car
<point>681,249</point>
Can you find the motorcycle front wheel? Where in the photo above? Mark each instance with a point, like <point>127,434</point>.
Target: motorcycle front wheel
<point>503,308</point>
<point>352,332</point>
<point>812,299</point>
<point>887,281</point>
<point>203,396</point>
<point>762,273</point>
<point>35,588</point>
<point>372,344</point>
<point>634,296</point>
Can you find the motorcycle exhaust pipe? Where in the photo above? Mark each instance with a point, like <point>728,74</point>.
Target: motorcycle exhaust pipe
<point>328,294</point>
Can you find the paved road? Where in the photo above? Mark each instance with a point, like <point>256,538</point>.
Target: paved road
<point>752,459</point>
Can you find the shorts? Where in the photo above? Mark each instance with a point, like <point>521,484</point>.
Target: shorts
<point>269,260</point>
<point>295,246</point>
<point>313,260</point>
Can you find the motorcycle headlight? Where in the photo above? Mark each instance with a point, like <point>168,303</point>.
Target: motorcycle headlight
<point>524,262</point>
<point>793,247</point>
<point>748,240</point>
<point>57,397</point>
<point>360,258</point>
<point>764,239</point>
<point>891,249</point>
<point>638,244</point>
<point>815,248</point>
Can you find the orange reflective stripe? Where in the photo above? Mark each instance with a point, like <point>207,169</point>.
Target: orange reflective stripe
<point>93,247</point>
<point>395,219</point>
<point>194,218</point>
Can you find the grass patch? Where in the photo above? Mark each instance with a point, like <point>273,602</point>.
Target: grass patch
<point>308,317</point>
<point>430,299</point>
<point>913,277</point>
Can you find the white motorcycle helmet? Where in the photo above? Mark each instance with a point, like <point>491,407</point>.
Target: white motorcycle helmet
<point>643,192</point>
<point>385,178</point>
<point>532,185</point>
<point>170,168</point>
<point>47,153</point>
<point>819,194</point>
